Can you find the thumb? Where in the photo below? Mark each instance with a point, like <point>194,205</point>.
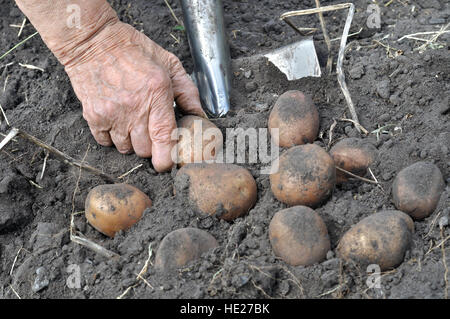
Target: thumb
<point>185,92</point>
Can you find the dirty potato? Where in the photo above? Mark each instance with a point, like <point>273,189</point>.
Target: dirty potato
<point>113,207</point>
<point>382,239</point>
<point>199,140</point>
<point>181,246</point>
<point>304,175</point>
<point>296,117</point>
<point>354,155</point>
<point>224,190</point>
<point>299,236</point>
<point>417,189</point>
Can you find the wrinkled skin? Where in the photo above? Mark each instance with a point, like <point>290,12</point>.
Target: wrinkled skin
<point>125,82</point>
<point>127,93</point>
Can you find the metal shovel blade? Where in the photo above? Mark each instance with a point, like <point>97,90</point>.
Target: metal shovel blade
<point>296,60</point>
<point>205,29</point>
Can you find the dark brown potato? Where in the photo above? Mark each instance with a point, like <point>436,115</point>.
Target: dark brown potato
<point>417,188</point>
<point>382,239</point>
<point>208,146</point>
<point>113,207</point>
<point>299,236</point>
<point>225,190</point>
<point>181,246</point>
<point>354,155</point>
<point>296,117</point>
<point>306,176</point>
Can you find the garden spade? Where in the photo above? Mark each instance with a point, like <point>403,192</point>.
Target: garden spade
<point>205,29</point>
<point>203,20</point>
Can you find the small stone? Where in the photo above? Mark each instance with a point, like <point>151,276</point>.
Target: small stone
<point>332,263</point>
<point>395,99</point>
<point>258,231</point>
<point>329,278</point>
<point>252,244</point>
<point>436,21</point>
<point>256,253</point>
<point>248,74</point>
<point>239,281</point>
<point>248,17</point>
<point>384,89</point>
<point>167,287</point>
<point>251,87</point>
<point>435,4</point>
<point>348,129</point>
<point>384,118</point>
<point>41,281</point>
<point>272,26</point>
<point>357,72</point>
<point>443,222</point>
<point>261,106</point>
<point>385,137</point>
<point>422,20</point>
<point>284,288</point>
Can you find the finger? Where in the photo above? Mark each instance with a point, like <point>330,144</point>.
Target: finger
<point>140,138</point>
<point>185,92</point>
<point>102,137</point>
<point>161,122</point>
<point>122,141</point>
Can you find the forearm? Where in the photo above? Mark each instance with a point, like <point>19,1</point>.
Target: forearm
<point>68,26</point>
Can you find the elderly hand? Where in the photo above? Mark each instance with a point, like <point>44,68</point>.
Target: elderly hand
<point>125,82</point>
<point>127,85</point>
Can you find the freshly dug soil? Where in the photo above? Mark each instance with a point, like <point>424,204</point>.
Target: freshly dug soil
<point>392,84</point>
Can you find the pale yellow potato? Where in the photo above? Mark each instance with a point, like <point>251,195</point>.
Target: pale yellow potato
<point>299,236</point>
<point>306,175</point>
<point>417,189</point>
<point>113,207</point>
<point>227,191</point>
<point>182,246</point>
<point>200,140</point>
<point>354,155</point>
<point>381,239</point>
<point>296,117</point>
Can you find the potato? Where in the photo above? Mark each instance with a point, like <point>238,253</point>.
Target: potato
<point>306,176</point>
<point>296,117</point>
<point>181,246</point>
<point>200,140</point>
<point>299,236</point>
<point>113,207</point>
<point>224,190</point>
<point>354,155</point>
<point>417,188</point>
<point>382,238</point>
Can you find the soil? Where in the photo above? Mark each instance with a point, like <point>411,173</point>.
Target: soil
<point>390,81</point>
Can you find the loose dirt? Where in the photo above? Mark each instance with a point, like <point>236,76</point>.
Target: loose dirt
<point>399,92</point>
